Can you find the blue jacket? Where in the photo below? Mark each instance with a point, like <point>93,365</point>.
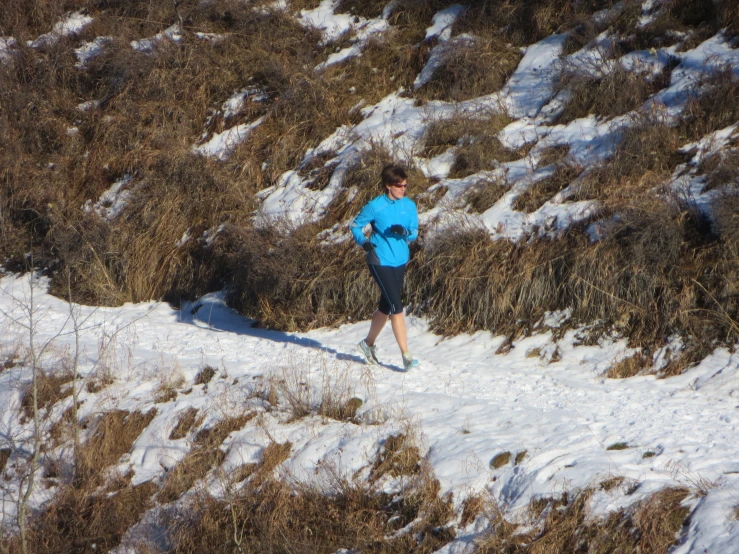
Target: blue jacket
<point>383,212</point>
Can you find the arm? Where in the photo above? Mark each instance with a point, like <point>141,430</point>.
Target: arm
<point>364,217</point>
<point>413,225</point>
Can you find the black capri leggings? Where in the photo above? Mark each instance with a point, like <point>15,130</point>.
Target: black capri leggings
<point>390,280</point>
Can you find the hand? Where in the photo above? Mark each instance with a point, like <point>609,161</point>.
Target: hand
<point>398,230</point>
<point>368,247</point>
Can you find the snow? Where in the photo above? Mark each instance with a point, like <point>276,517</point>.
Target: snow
<point>112,202</point>
<point>70,25</point>
<point>90,50</point>
<point>442,22</point>
<point>6,47</point>
<point>222,144</point>
<point>147,45</point>
<point>465,405</point>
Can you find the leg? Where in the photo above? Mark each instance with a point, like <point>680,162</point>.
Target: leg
<point>398,323</point>
<point>378,322</point>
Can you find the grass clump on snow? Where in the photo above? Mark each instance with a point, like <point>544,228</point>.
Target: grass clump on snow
<point>650,526</point>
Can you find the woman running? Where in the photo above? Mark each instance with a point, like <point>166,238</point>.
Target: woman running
<point>394,221</point>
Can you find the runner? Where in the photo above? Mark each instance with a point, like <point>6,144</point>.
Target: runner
<point>394,221</point>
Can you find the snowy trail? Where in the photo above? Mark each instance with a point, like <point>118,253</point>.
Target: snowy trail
<point>466,404</point>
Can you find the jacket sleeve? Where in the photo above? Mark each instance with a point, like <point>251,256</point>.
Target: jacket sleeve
<point>367,215</point>
<point>413,224</point>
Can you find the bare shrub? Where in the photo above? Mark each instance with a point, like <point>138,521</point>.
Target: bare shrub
<point>204,455</point>
<point>540,192</point>
<point>295,282</point>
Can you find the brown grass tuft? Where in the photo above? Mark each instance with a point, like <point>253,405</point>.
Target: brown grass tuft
<point>204,455</point>
<point>540,192</point>
<point>714,106</point>
<point>629,367</point>
<point>184,424</point>
<point>267,514</point>
<point>470,68</point>
<point>82,521</point>
<point>485,194</point>
<point>51,389</point>
<point>398,456</point>
<point>114,435</point>
<point>205,374</point>
<point>499,460</point>
<point>651,527</point>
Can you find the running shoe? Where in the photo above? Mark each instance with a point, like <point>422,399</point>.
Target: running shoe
<point>368,352</point>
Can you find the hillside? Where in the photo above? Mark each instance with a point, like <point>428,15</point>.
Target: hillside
<point>190,168</point>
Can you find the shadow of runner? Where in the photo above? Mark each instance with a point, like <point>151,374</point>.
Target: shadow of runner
<point>211,312</point>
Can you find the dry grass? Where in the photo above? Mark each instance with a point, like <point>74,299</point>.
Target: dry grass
<point>714,106</point>
<point>205,375</point>
<point>52,387</point>
<point>267,515</point>
<point>114,434</point>
<point>617,92</point>
<point>398,456</point>
<point>295,282</point>
<point>649,527</point>
<point>299,387</point>
<point>204,455</point>
<point>469,69</point>
<point>721,169</point>
<point>475,139</point>
<point>499,460</point>
<point>629,367</point>
<point>184,424</point>
<point>485,193</point>
<point>540,192</point>
<point>81,521</point>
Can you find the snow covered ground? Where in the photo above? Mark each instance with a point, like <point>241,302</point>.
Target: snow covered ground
<point>465,404</point>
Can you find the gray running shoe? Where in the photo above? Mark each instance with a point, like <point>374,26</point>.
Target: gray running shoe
<point>409,362</point>
<point>368,352</point>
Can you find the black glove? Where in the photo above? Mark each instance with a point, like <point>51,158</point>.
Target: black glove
<point>398,230</point>
<point>372,257</point>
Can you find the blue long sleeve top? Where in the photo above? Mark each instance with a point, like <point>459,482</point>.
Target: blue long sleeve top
<point>382,213</point>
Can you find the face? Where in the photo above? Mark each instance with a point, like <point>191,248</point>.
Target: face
<point>396,192</point>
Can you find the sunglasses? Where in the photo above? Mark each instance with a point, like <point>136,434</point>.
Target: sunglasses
<point>399,185</point>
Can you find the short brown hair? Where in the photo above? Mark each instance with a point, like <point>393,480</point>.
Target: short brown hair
<point>393,174</point>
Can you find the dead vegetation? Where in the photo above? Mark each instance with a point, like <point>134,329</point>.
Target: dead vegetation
<point>616,92</point>
<point>204,455</point>
<point>475,139</point>
<point>651,526</point>
<point>469,68</point>
<point>113,435</point>
<point>629,367</point>
<point>266,514</point>
<point>543,190</point>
